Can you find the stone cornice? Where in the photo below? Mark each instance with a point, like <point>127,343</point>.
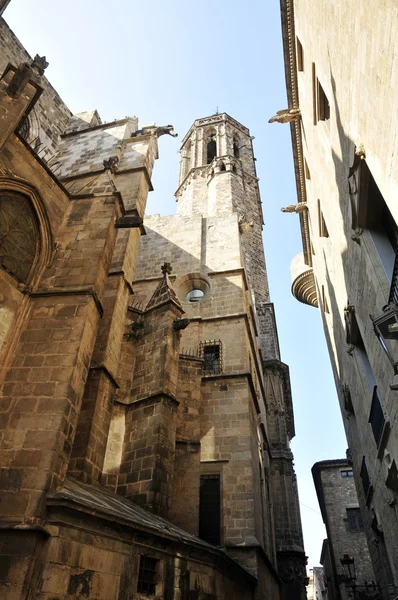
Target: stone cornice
<point>217,118</point>
<point>289,51</point>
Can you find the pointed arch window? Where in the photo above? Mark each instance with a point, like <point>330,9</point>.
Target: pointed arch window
<point>211,148</point>
<point>19,235</point>
<point>236,147</point>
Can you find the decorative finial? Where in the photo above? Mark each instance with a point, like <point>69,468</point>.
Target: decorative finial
<point>111,163</point>
<point>39,64</point>
<point>166,269</point>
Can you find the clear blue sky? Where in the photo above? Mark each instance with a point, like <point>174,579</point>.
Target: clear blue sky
<point>173,61</point>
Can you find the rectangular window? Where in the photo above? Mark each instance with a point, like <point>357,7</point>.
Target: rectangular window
<point>211,352</point>
<point>323,104</point>
<point>370,211</point>
<point>354,337</point>
<point>210,509</point>
<point>365,477</point>
<point>323,230</point>
<point>314,100</point>
<point>376,417</point>
<point>300,55</point>
<point>354,519</point>
<point>347,473</point>
<point>325,305</point>
<point>147,576</point>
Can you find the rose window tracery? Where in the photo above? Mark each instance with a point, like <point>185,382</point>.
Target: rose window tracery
<point>19,236</point>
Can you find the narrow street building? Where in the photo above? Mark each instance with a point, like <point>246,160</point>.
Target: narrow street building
<point>346,537</point>
<point>341,76</point>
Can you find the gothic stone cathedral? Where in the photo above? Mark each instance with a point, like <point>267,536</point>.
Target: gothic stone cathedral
<point>145,412</point>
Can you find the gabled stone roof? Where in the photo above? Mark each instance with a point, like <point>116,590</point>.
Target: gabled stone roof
<point>164,291</point>
<point>103,503</point>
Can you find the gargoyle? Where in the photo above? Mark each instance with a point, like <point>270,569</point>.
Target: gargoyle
<point>287,115</point>
<point>296,208</point>
<point>155,130</point>
<point>180,324</point>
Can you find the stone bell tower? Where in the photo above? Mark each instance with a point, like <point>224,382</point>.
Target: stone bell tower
<point>218,178</point>
<point>233,481</point>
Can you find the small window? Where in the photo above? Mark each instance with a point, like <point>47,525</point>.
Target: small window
<point>348,405</point>
<point>147,576</point>
<point>210,509</point>
<point>300,55</point>
<point>347,473</point>
<point>195,295</point>
<point>392,477</point>
<point>323,230</point>
<point>211,148</point>
<point>376,417</point>
<point>324,301</point>
<point>212,358</point>
<point>323,104</point>
<point>354,520</point>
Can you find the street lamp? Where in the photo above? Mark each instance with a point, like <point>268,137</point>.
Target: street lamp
<point>386,329</point>
<point>348,564</point>
<point>366,590</point>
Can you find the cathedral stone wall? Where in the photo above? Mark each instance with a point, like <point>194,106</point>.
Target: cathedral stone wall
<point>50,116</point>
<point>127,409</point>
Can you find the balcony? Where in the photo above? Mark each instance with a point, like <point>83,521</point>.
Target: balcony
<point>303,281</point>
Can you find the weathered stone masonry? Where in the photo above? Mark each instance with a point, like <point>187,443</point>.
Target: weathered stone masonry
<point>127,411</point>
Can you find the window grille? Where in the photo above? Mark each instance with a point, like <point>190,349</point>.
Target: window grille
<point>209,509</point>
<point>147,576</point>
<point>376,417</point>
<point>211,352</point>
<point>365,477</point>
<point>354,520</point>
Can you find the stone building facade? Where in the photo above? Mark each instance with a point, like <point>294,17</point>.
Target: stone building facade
<point>340,64</point>
<point>342,516</point>
<point>145,412</point>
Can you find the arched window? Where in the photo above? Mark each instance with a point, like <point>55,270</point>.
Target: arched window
<point>236,147</point>
<point>211,148</point>
<point>186,159</point>
<point>222,167</point>
<point>19,235</point>
<point>24,128</point>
